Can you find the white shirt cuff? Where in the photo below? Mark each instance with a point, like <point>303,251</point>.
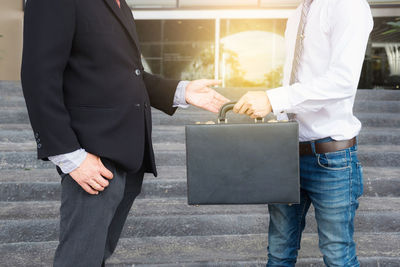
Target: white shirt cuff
<point>279,99</point>
<point>70,161</point>
<point>180,95</point>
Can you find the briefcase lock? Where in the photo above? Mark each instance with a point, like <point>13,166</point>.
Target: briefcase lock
<point>227,107</point>
<point>222,120</point>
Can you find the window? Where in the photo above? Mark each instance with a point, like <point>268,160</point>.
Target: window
<point>249,53</point>
<point>382,61</point>
<point>252,52</point>
<point>178,49</point>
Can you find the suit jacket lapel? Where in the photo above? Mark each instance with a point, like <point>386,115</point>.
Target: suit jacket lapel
<point>118,12</point>
<point>131,22</point>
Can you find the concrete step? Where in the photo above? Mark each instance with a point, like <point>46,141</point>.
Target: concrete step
<point>174,154</point>
<point>377,136</point>
<point>379,119</point>
<point>30,146</point>
<point>162,188</point>
<point>202,250</point>
<point>34,210</point>
<point>148,219</point>
<point>379,106</point>
<point>308,262</point>
<point>42,230</point>
<point>164,173</point>
<point>12,101</point>
<point>51,175</point>
<point>12,137</point>
<point>27,159</point>
<point>378,94</point>
<point>10,88</point>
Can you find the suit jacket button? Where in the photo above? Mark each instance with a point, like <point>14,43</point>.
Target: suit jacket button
<point>138,72</point>
<point>36,135</point>
<point>39,146</point>
<point>145,105</point>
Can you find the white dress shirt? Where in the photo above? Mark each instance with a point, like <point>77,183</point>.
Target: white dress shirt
<point>70,161</point>
<point>335,41</point>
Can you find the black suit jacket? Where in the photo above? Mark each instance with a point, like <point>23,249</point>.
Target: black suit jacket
<point>84,83</point>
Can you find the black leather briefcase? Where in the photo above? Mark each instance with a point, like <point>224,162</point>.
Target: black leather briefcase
<point>242,163</point>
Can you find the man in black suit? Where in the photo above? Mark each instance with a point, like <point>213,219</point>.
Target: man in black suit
<point>89,99</point>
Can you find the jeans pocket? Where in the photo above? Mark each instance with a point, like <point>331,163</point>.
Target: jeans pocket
<point>334,161</point>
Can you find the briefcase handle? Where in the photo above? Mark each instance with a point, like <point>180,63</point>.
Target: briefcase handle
<point>228,107</point>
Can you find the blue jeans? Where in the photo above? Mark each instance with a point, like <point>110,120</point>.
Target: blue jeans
<point>332,182</point>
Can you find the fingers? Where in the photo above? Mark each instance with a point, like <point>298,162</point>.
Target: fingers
<point>253,116</point>
<point>239,104</point>
<point>101,181</point>
<point>89,189</point>
<point>212,101</point>
<point>93,184</point>
<point>212,82</point>
<point>220,98</point>
<point>104,171</point>
<point>92,175</point>
<point>249,112</point>
<point>244,109</point>
<point>256,115</point>
<point>211,107</point>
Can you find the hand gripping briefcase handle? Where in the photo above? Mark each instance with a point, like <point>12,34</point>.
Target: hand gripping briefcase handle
<point>228,107</point>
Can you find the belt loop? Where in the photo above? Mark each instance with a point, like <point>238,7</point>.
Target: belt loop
<point>312,144</point>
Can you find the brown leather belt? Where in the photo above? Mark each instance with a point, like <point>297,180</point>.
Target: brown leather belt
<point>326,147</point>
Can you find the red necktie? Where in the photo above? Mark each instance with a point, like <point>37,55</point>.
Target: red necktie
<point>118,3</point>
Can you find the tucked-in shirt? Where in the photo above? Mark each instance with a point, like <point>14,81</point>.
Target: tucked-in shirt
<point>70,161</point>
<point>335,41</point>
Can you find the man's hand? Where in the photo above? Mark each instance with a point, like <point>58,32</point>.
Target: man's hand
<point>90,175</point>
<point>255,104</point>
<point>199,94</point>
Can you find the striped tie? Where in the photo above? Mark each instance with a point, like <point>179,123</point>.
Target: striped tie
<point>299,41</point>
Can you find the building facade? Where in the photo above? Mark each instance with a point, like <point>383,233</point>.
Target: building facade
<point>240,42</point>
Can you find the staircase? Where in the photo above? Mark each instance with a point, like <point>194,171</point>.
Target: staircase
<point>162,230</point>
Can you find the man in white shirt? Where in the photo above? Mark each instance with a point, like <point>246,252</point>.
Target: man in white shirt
<point>321,75</point>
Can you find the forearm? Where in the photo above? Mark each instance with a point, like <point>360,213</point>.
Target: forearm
<point>161,92</point>
<point>309,96</point>
<point>49,28</point>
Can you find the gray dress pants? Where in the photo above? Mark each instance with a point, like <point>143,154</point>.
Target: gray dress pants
<point>92,224</point>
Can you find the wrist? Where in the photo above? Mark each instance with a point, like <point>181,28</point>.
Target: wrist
<point>180,99</point>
